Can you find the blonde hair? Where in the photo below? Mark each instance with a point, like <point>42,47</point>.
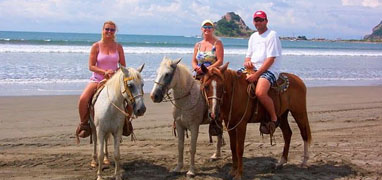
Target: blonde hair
<point>111,23</point>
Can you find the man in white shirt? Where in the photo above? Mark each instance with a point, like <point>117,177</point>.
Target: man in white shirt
<point>264,55</point>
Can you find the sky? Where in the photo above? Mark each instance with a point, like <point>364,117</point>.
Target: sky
<point>330,19</point>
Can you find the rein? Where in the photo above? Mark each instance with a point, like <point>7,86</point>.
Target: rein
<point>230,110</point>
<point>168,98</point>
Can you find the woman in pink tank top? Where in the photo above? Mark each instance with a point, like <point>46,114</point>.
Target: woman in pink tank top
<point>105,55</point>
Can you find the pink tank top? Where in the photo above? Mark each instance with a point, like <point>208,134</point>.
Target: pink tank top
<point>105,62</point>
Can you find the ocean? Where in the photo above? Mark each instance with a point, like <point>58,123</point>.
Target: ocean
<point>44,63</point>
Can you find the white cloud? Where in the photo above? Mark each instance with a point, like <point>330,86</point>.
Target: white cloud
<point>364,3</point>
<point>183,17</point>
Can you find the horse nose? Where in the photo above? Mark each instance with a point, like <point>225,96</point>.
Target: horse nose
<point>141,111</point>
<point>155,97</point>
<point>211,115</point>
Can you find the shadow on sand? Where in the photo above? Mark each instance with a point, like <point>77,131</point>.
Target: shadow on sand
<point>254,168</point>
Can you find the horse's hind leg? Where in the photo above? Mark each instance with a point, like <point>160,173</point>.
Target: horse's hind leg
<point>303,124</point>
<point>106,160</point>
<point>94,155</point>
<point>287,134</point>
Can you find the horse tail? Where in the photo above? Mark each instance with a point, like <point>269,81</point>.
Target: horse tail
<point>307,131</point>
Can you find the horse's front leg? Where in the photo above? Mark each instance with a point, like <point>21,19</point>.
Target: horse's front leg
<point>117,137</point>
<point>194,139</point>
<point>219,145</point>
<point>240,139</point>
<point>232,143</point>
<point>180,130</point>
<point>101,140</point>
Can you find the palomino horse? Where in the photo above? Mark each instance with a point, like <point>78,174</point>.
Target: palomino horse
<point>189,106</point>
<point>226,93</point>
<point>109,115</point>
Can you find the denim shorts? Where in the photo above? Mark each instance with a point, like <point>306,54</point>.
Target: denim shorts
<point>269,76</point>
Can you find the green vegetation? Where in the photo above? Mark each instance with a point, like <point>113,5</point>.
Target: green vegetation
<point>233,28</point>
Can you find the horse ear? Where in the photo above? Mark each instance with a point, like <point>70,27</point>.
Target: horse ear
<point>224,67</point>
<point>176,62</point>
<point>125,71</point>
<point>204,69</point>
<point>140,68</point>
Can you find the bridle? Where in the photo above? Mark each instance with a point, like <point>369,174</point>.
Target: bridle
<point>220,99</point>
<point>130,98</point>
<point>167,95</point>
<point>231,105</point>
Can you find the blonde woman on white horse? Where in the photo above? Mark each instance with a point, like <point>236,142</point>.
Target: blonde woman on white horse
<point>105,56</point>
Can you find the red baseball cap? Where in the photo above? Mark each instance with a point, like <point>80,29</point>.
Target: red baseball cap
<point>260,14</point>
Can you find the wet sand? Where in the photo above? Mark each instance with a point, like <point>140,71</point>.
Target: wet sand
<point>37,141</point>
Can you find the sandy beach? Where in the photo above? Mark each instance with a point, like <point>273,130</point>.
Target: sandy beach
<point>37,141</point>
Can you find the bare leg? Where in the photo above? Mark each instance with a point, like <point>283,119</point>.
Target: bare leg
<point>83,108</point>
<point>262,89</point>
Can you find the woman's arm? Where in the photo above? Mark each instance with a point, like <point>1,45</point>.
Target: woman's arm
<point>194,60</point>
<point>121,55</point>
<point>93,60</point>
<point>219,54</point>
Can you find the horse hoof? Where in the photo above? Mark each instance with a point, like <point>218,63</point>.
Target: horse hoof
<point>190,174</point>
<point>279,166</point>
<point>304,165</point>
<point>106,162</point>
<point>118,178</point>
<point>237,177</point>
<point>177,169</point>
<point>214,157</point>
<point>93,164</point>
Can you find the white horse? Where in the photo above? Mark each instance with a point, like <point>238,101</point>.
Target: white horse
<point>189,106</point>
<point>109,114</point>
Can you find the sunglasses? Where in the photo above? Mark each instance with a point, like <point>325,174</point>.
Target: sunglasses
<point>208,27</point>
<point>258,19</point>
<point>110,29</point>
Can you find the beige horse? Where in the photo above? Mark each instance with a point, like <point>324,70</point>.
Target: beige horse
<point>189,108</point>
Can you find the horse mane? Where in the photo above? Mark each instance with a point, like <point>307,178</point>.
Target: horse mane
<point>183,69</point>
<point>216,71</point>
<point>115,83</point>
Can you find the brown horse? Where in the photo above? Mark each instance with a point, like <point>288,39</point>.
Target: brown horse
<point>226,92</point>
